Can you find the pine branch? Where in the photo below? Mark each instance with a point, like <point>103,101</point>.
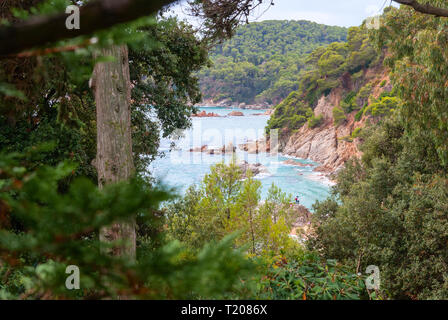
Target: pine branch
<point>97,15</point>
<point>424,8</point>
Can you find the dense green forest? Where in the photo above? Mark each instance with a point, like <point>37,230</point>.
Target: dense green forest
<point>390,207</point>
<point>81,119</point>
<point>261,62</point>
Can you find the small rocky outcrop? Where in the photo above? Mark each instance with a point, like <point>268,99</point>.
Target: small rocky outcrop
<point>204,114</point>
<point>258,146</point>
<point>228,149</point>
<point>301,228</point>
<point>255,168</point>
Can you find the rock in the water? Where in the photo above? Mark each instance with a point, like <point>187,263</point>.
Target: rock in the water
<point>229,148</point>
<point>236,114</point>
<point>255,147</point>
<point>204,148</point>
<point>204,114</point>
<point>255,168</point>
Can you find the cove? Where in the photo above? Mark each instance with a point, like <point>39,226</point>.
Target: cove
<point>181,168</point>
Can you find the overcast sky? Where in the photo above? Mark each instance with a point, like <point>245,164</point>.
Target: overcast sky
<point>331,12</point>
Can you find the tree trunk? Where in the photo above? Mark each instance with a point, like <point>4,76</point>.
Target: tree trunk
<point>114,160</point>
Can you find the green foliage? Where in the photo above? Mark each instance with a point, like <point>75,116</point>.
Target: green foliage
<point>43,231</point>
<point>163,64</point>
<point>315,122</point>
<point>356,133</point>
<point>359,114</point>
<point>261,63</point>
<point>164,56</point>
<point>284,269</point>
<point>338,116</point>
<point>390,210</point>
<point>417,45</point>
<point>224,204</point>
<point>310,278</point>
<point>327,65</point>
<point>348,104</point>
<point>383,106</point>
<point>362,98</point>
<point>291,113</point>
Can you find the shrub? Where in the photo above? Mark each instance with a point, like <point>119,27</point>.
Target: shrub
<point>363,95</point>
<point>359,114</point>
<point>356,133</point>
<point>315,122</point>
<point>384,106</point>
<point>42,231</point>
<point>311,278</point>
<point>291,113</point>
<point>338,116</point>
<point>348,104</point>
<point>390,210</point>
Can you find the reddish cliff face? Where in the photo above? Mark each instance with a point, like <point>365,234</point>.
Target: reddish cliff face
<point>329,144</point>
<point>324,144</point>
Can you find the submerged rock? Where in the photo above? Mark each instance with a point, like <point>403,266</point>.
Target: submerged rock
<point>236,114</point>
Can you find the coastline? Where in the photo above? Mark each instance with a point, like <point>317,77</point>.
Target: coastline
<point>230,105</point>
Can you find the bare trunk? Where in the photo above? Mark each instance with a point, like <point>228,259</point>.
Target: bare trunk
<point>114,160</point>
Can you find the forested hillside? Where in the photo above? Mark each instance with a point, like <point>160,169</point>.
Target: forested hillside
<point>261,63</point>
<point>338,65</point>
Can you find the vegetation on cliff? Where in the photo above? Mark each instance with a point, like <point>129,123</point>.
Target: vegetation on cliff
<point>339,65</point>
<point>390,208</point>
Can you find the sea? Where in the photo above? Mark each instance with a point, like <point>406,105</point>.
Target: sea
<point>179,168</point>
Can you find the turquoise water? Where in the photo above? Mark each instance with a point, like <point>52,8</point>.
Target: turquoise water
<point>180,168</point>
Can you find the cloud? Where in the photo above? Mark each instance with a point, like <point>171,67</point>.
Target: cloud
<point>331,12</point>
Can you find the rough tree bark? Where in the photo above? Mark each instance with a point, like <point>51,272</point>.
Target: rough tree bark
<point>114,160</point>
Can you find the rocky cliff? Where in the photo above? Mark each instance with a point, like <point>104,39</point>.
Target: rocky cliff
<point>330,144</point>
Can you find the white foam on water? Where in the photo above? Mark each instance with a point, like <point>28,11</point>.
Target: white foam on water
<point>263,175</point>
<point>320,177</point>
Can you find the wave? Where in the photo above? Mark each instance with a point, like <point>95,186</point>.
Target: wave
<point>320,177</point>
